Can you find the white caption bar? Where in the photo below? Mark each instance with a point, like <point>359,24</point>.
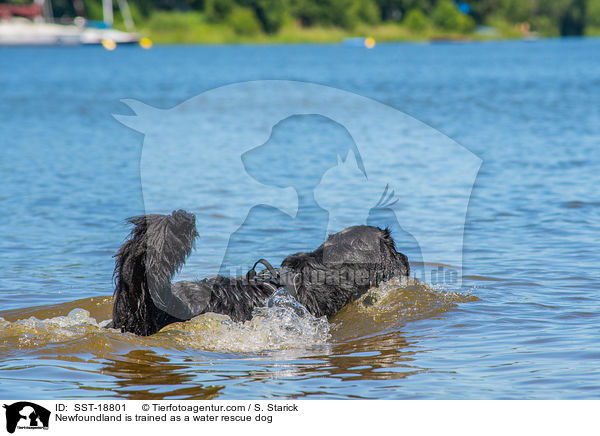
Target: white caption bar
<point>93,417</point>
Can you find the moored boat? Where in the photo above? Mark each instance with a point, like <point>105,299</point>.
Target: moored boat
<point>34,25</point>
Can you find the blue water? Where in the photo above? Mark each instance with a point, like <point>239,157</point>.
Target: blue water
<point>70,175</point>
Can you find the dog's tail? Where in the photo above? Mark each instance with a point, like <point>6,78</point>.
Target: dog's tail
<point>144,266</point>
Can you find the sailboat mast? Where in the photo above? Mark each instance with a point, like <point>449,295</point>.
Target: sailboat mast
<point>107,12</point>
<point>126,13</point>
<point>47,14</point>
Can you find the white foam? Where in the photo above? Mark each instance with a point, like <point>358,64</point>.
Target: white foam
<point>33,332</point>
<point>282,324</point>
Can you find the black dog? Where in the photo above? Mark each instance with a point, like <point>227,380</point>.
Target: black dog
<point>340,270</point>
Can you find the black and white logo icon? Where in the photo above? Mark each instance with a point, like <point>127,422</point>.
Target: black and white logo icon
<point>26,415</point>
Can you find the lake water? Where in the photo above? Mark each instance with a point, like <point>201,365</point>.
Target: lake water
<point>521,320</point>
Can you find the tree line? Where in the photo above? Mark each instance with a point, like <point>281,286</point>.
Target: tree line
<point>548,17</point>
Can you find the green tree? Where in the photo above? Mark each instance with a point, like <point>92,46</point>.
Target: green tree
<point>308,12</point>
<point>93,10</point>
<point>572,23</point>
<point>218,10</point>
<point>592,18</point>
<point>545,26</point>
<point>270,13</point>
<point>566,16</point>
<point>554,11</point>
<point>324,12</point>
<point>517,11</point>
<point>243,21</point>
<point>416,21</point>
<point>447,17</point>
<point>365,11</point>
<point>484,9</point>
<point>395,10</point>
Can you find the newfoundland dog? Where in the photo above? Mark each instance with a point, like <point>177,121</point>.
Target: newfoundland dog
<point>343,268</point>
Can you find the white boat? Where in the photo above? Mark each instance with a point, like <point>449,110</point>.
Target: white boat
<point>33,25</point>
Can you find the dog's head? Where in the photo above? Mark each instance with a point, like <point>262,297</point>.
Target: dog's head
<point>364,245</point>
<point>343,268</point>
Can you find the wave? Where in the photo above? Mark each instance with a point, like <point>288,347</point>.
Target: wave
<point>282,324</point>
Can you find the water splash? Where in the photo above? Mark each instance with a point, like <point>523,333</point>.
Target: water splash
<point>394,303</point>
<point>33,332</point>
<point>282,324</point>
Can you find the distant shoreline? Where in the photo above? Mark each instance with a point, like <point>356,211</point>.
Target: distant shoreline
<point>168,27</point>
<point>193,28</point>
<point>275,42</point>
<point>319,36</point>
<point>337,36</point>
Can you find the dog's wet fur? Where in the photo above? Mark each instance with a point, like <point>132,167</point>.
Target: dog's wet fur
<point>325,280</point>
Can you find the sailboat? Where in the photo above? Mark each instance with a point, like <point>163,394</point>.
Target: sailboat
<point>34,24</point>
